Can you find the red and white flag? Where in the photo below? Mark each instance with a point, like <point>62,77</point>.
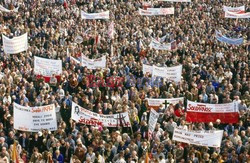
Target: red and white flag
<point>202,112</point>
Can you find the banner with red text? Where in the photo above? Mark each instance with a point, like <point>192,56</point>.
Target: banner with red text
<point>101,15</point>
<point>210,138</point>
<point>238,15</point>
<point>84,116</point>
<point>202,112</point>
<point>34,119</point>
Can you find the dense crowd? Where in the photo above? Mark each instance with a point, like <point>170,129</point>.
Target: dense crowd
<point>213,72</point>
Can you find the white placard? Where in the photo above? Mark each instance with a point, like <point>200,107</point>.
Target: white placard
<point>211,138</point>
<point>16,44</point>
<point>158,102</point>
<point>93,63</point>
<point>153,117</point>
<point>147,69</point>
<point>101,15</point>
<point>34,119</point>
<point>84,116</point>
<point>159,46</point>
<point>47,67</point>
<point>156,11</point>
<point>234,9</point>
<point>212,108</point>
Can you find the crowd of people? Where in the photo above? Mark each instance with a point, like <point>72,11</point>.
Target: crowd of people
<point>213,72</point>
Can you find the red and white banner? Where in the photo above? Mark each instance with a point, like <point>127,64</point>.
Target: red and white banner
<point>156,11</point>
<point>101,15</point>
<point>155,102</point>
<point>152,122</point>
<point>211,138</point>
<point>84,116</point>
<point>234,9</point>
<point>238,15</point>
<point>176,0</point>
<point>201,112</point>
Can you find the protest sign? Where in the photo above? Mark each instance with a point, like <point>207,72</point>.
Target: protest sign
<point>101,15</point>
<point>234,9</point>
<point>16,44</point>
<point>203,112</point>
<point>211,138</point>
<point>34,119</point>
<point>176,0</point>
<point>3,9</point>
<point>84,116</point>
<point>239,15</point>
<point>228,40</point>
<point>47,67</point>
<point>156,11</point>
<point>93,63</point>
<point>153,117</point>
<point>156,102</point>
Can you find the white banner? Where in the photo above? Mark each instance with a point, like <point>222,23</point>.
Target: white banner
<point>147,69</point>
<point>159,46</point>
<point>234,9</point>
<point>16,44</point>
<point>239,15</point>
<point>47,67</point>
<point>93,63</point>
<point>212,108</point>
<point>34,119</point>
<point>176,0</point>
<point>211,138</point>
<point>158,102</point>
<point>152,121</point>
<point>170,73</point>
<point>101,15</point>
<point>3,9</point>
<point>84,116</point>
<point>156,11</point>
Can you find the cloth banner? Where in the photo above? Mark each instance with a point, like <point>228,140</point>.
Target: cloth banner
<point>238,15</point>
<point>84,116</point>
<point>223,38</point>
<point>156,11</point>
<point>159,46</point>
<point>176,0</point>
<point>3,9</point>
<point>34,119</point>
<point>234,9</point>
<point>93,63</point>
<point>47,67</point>
<point>209,138</point>
<point>203,112</point>
<point>170,73</point>
<point>101,15</point>
<point>152,121</point>
<point>155,102</point>
<point>147,69</point>
<point>16,44</point>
